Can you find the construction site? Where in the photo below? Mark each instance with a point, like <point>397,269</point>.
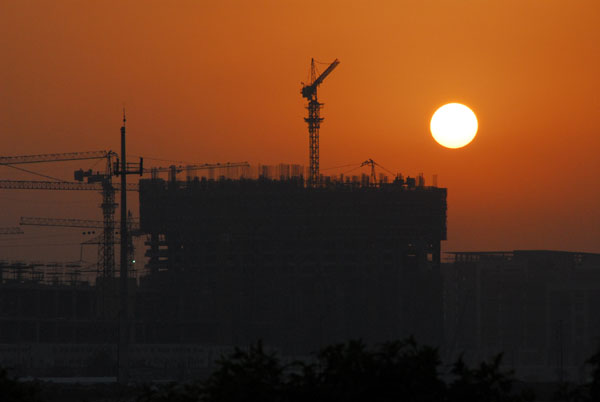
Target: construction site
<point>232,261</point>
<point>536,306</point>
<point>235,253</point>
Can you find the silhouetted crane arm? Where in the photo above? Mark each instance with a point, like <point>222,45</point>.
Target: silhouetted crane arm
<point>372,163</point>
<point>309,90</point>
<point>69,223</point>
<point>71,156</point>
<point>181,168</point>
<point>53,185</point>
<point>325,73</point>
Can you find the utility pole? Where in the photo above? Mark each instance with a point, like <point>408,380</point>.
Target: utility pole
<point>124,320</point>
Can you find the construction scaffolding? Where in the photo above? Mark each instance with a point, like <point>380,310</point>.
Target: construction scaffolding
<point>228,260</point>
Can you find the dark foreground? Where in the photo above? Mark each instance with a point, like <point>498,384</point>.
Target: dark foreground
<point>394,371</point>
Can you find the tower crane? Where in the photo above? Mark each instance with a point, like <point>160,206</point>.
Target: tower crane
<point>100,241</point>
<point>120,168</point>
<point>70,156</point>
<point>372,163</point>
<point>314,119</point>
<point>373,177</point>
<point>106,248</point>
<point>133,225</point>
<point>95,181</point>
<point>102,182</point>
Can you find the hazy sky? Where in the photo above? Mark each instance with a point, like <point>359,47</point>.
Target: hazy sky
<point>218,81</point>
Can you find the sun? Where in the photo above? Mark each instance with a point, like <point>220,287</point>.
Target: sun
<point>453,125</point>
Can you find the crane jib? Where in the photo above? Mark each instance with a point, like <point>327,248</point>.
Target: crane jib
<point>15,160</point>
<point>309,90</point>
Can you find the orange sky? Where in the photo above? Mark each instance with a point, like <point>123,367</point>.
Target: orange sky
<point>217,81</point>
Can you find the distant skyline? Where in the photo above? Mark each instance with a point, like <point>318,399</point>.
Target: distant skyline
<point>220,81</point>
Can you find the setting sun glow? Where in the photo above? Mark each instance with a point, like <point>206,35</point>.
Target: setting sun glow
<point>453,125</point>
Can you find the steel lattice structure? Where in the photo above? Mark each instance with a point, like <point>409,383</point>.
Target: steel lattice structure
<point>314,119</point>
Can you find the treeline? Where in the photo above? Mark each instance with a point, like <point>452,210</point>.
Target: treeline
<point>394,371</point>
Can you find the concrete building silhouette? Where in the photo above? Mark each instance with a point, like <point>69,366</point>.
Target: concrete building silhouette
<point>231,261</point>
<point>535,306</point>
<point>234,261</point>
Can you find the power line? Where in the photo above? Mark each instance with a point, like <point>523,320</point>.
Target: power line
<point>341,166</point>
<point>161,159</point>
<point>387,170</point>
<point>351,170</point>
<point>34,173</point>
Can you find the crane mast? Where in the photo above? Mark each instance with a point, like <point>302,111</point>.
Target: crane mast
<point>314,118</point>
<point>88,180</point>
<point>103,180</point>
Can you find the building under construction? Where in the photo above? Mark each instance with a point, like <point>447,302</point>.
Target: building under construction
<point>231,261</point>
<point>297,260</point>
<point>234,261</point>
<point>537,307</point>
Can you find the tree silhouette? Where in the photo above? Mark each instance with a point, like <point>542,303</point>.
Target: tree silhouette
<point>487,383</point>
<point>399,370</point>
<point>172,392</point>
<point>350,372</point>
<point>12,390</point>
<point>594,386</point>
<point>252,375</point>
